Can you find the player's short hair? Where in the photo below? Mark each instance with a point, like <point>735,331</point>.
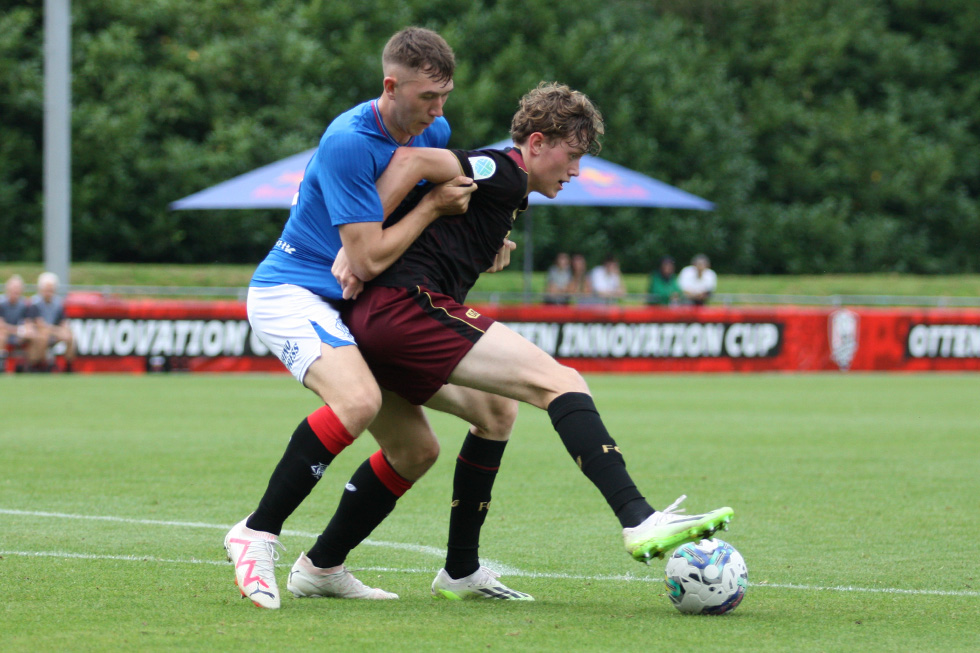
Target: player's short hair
<point>559,113</point>
<point>423,50</point>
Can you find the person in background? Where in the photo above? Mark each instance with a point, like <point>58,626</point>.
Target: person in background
<point>697,280</point>
<point>580,286</point>
<point>47,311</point>
<point>664,289</point>
<point>559,283</point>
<point>16,330</point>
<point>607,281</point>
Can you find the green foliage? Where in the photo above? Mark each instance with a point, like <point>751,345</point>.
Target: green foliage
<point>840,137</point>
<point>21,111</point>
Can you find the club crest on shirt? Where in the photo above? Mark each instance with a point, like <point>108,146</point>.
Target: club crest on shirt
<point>483,167</point>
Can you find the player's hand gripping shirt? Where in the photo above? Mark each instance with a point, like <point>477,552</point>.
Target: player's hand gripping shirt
<point>454,250</point>
<point>338,188</point>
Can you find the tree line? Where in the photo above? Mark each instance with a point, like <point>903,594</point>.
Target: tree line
<point>832,135</point>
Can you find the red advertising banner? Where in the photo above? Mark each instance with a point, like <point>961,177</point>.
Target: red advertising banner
<point>161,335</point>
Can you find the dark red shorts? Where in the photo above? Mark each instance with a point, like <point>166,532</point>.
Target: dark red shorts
<point>413,339</point>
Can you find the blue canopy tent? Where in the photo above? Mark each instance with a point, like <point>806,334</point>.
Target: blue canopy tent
<point>600,183</point>
<point>268,187</point>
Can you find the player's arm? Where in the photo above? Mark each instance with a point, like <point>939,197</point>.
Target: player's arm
<point>409,166</point>
<point>370,249</point>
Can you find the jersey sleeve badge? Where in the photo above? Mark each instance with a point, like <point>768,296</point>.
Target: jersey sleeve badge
<point>483,167</point>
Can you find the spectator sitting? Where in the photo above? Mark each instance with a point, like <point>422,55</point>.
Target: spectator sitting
<point>47,310</point>
<point>697,280</point>
<point>559,280</point>
<point>580,286</point>
<point>607,282</point>
<point>16,330</point>
<point>664,289</point>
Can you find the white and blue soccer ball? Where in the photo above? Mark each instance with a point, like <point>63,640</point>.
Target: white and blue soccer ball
<point>706,577</point>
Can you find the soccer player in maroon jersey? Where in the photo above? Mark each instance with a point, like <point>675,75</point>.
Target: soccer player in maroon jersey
<point>417,336</point>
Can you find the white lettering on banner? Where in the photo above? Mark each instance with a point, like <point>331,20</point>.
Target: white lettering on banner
<point>236,333</point>
<point>545,336</point>
<point>750,340</point>
<point>182,330</point>
<point>128,337</point>
<point>163,343</point>
<point>653,340</point>
<point>944,341</point>
<point>125,337</point>
<point>212,341</point>
<point>191,345</point>
<point>101,337</point>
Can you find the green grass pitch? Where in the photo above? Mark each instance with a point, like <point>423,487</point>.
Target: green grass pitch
<point>856,507</point>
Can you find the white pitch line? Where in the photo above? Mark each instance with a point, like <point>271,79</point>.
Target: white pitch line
<point>506,570</point>
<point>405,570</point>
<point>872,590</point>
<point>414,548</point>
<point>94,556</point>
<point>417,548</point>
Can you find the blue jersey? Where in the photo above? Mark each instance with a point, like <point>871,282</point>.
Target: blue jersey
<point>338,188</point>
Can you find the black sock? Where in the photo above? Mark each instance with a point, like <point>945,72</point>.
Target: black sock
<point>476,469</point>
<point>364,504</point>
<point>297,473</point>
<point>577,421</point>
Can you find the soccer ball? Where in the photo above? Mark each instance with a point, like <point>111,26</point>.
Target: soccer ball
<point>707,577</point>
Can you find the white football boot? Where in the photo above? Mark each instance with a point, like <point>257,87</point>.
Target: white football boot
<point>481,584</point>
<point>308,581</point>
<point>254,555</point>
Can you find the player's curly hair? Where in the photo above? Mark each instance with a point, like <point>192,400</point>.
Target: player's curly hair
<point>560,114</point>
<point>421,49</point>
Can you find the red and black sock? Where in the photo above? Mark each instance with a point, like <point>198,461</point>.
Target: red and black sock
<point>476,469</point>
<point>368,497</point>
<point>313,446</point>
<point>577,421</point>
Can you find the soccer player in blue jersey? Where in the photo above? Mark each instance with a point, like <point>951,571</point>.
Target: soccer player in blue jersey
<point>292,306</point>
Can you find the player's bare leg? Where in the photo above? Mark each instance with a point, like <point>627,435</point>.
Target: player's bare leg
<point>344,382</point>
<point>504,362</point>
<point>405,436</point>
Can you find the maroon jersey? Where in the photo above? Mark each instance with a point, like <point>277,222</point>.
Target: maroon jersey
<point>452,252</point>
